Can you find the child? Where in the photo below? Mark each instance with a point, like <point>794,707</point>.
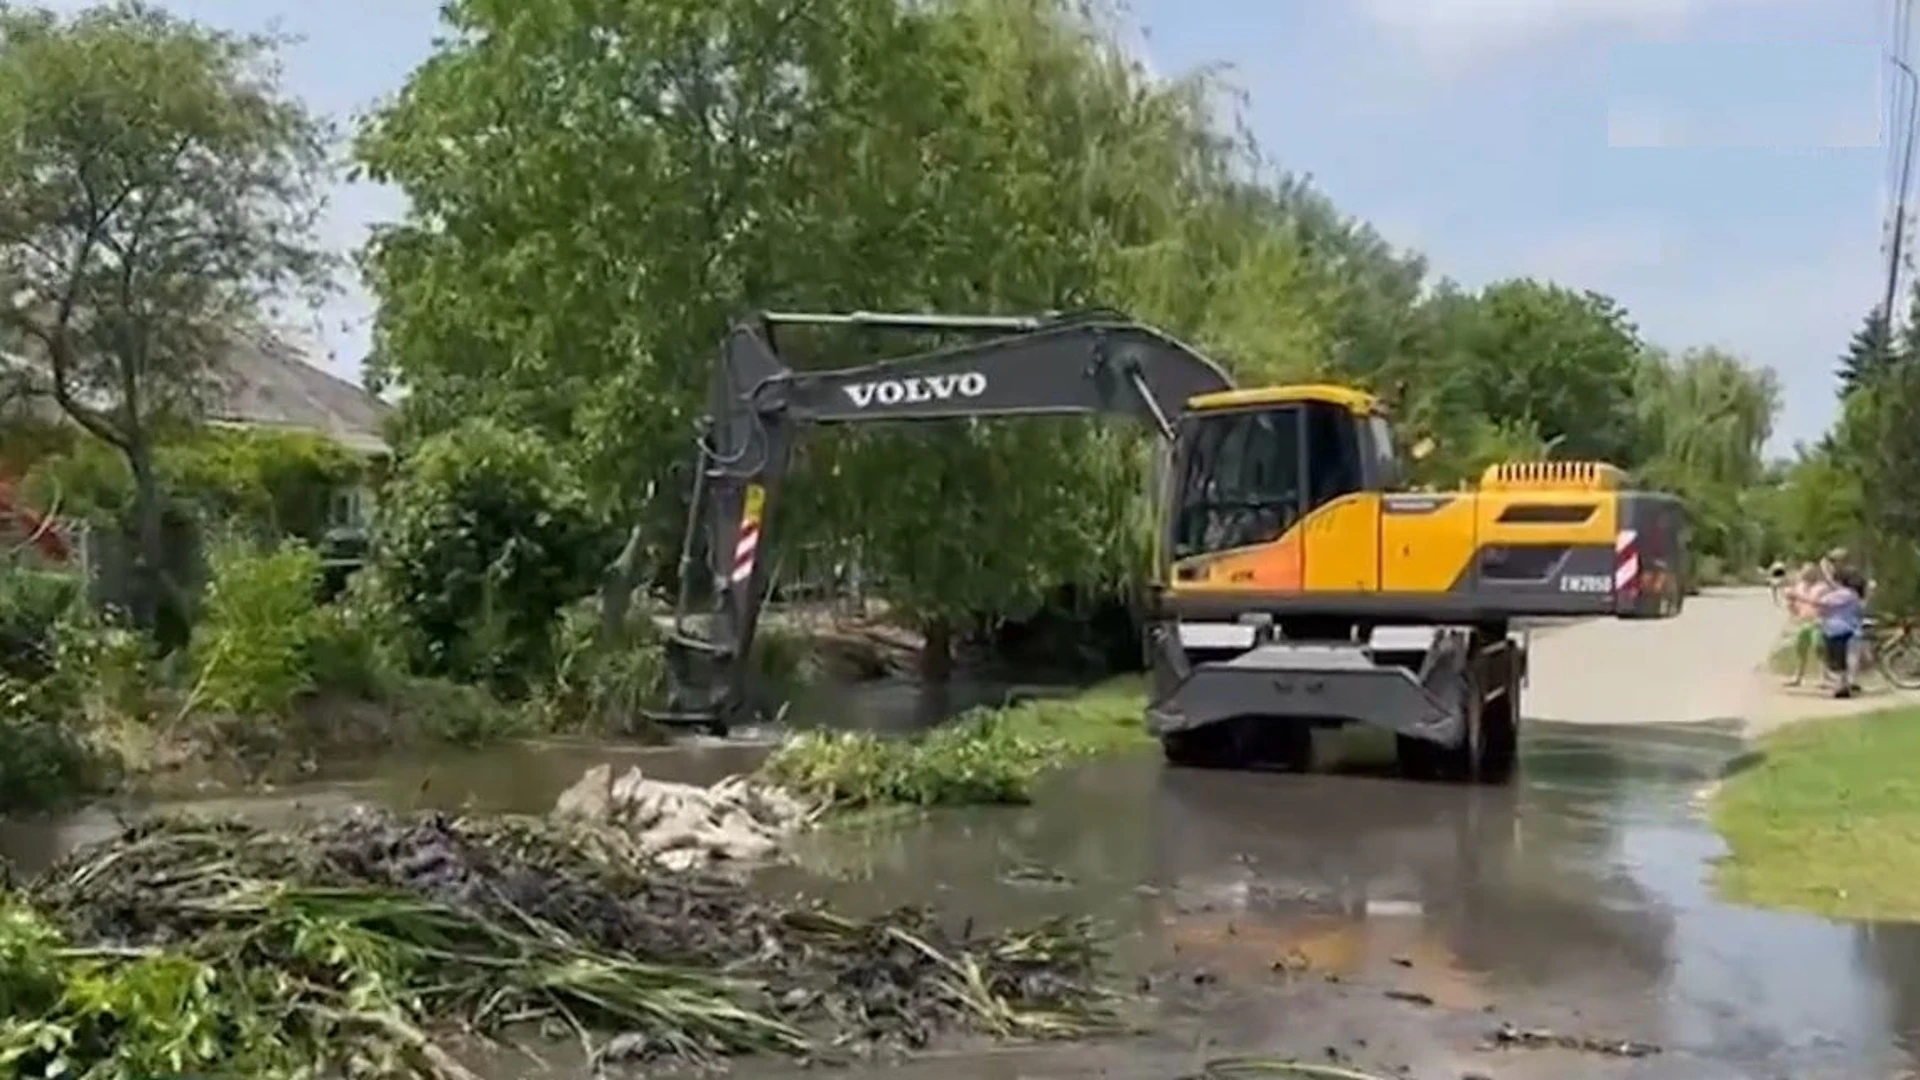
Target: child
<point>1803,601</point>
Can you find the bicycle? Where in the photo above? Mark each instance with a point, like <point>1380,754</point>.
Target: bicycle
<point>1892,648</point>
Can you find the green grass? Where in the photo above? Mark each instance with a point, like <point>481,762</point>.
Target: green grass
<point>989,756</point>
<point>1106,718</point>
<point>1829,821</point>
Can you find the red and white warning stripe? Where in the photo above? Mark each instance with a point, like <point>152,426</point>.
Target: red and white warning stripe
<point>743,551</point>
<point>1626,561</point>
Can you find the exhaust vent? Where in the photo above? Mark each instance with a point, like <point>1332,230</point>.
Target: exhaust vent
<point>1579,475</point>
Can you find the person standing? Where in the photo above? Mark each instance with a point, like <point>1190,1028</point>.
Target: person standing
<point>1843,612</point>
<point>1803,602</point>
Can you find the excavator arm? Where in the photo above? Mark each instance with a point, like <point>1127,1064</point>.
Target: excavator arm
<point>1006,367</point>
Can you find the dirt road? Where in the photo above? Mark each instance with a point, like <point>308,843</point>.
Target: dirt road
<point>1703,665</point>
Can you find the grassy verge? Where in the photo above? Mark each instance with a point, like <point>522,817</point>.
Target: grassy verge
<point>1829,822</point>
<point>988,756</point>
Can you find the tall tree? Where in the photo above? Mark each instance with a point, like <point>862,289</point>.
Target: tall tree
<point>1562,359</point>
<point>158,192</point>
<point>1868,353</point>
<point>595,188</point>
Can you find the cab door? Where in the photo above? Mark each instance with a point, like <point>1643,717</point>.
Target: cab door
<point>1341,528</point>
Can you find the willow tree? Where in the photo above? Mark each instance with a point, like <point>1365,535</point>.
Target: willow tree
<point>158,193</point>
<point>595,188</point>
<point>1705,420</point>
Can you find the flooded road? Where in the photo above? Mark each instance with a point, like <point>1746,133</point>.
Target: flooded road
<point>1349,918</point>
<point>1386,926</point>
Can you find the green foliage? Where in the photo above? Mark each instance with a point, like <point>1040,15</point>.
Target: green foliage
<point>32,603</point>
<point>985,756</point>
<point>1868,355</point>
<point>266,483</point>
<point>260,615</point>
<point>157,192</point>
<point>47,664</point>
<point>270,483</point>
<point>1561,360</point>
<point>599,684</point>
<point>1705,419</point>
<point>968,761</point>
<point>441,711</point>
<point>482,538</point>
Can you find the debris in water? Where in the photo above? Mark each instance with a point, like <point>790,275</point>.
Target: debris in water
<point>1037,875</point>
<point>683,826</point>
<point>1411,997</point>
<point>1236,1068</point>
<point>348,938</point>
<point>1511,1037</point>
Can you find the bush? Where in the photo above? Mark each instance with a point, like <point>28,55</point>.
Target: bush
<point>601,685</point>
<point>482,538</point>
<point>972,760</point>
<point>258,623</point>
<point>463,715</point>
<point>985,756</point>
<point>268,483</point>
<point>48,752</point>
<point>32,602</point>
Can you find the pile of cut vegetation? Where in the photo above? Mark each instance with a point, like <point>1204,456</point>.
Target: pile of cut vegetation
<point>362,944</point>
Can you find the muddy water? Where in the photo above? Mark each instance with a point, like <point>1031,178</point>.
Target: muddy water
<point>1385,925</point>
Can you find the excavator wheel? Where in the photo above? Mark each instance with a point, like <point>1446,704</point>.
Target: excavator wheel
<point>1243,743</point>
<point>1209,747</point>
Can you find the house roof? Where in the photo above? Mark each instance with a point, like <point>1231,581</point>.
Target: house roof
<point>266,382</point>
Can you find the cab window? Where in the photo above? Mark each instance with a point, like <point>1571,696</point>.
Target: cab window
<point>1335,464</point>
<point>1241,481</point>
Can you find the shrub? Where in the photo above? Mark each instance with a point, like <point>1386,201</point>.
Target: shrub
<point>257,625</point>
<point>269,483</point>
<point>44,756</point>
<point>972,760</point>
<point>31,603</point>
<point>600,685</point>
<point>462,715</point>
<point>482,538</point>
<point>985,756</point>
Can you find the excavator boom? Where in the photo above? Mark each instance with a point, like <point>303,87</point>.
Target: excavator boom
<point>1090,363</point>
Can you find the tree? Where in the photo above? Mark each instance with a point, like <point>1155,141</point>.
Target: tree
<point>1705,419</point>
<point>1867,353</point>
<point>158,191</point>
<point>596,188</point>
<point>1562,359</point>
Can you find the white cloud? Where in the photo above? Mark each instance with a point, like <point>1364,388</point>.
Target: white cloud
<point>1461,32</point>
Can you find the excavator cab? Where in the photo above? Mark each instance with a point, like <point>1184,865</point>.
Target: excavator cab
<point>1288,500</point>
<point>1285,541</point>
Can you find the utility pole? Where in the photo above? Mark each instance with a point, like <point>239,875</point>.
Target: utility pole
<point>1908,120</point>
<point>1901,188</point>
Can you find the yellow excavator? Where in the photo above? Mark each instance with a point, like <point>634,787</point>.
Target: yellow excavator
<point>1298,584</point>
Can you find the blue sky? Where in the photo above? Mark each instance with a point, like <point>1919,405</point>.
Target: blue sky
<point>1717,165</point>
